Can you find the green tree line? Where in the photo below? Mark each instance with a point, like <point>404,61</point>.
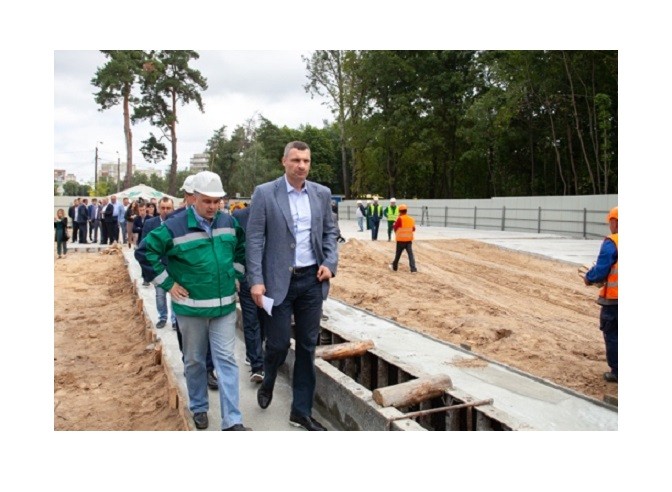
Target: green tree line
<point>431,124</point>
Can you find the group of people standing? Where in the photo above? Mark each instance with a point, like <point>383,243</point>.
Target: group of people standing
<point>282,249</point>
<point>373,214</point>
<point>106,217</point>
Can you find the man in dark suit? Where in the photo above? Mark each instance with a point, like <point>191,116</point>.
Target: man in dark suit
<point>72,213</point>
<point>94,220</point>
<point>109,222</point>
<point>82,215</point>
<point>291,255</point>
<point>252,329</point>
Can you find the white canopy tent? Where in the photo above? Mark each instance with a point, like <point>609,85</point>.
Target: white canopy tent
<point>145,192</point>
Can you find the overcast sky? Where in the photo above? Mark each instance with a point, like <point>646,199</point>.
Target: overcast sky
<point>240,84</point>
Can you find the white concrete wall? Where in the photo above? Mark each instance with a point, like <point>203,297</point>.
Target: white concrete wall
<point>574,216</point>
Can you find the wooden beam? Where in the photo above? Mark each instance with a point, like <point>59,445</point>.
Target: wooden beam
<point>343,350</point>
<point>412,392</point>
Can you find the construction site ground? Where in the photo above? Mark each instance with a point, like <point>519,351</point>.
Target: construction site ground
<point>515,298</point>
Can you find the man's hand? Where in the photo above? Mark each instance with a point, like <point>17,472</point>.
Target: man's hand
<point>178,292</point>
<point>323,273</point>
<point>257,291</point>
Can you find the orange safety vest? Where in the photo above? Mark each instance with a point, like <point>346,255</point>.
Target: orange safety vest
<point>404,234</point>
<point>609,292</point>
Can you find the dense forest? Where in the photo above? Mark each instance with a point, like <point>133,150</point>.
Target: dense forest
<point>430,124</point>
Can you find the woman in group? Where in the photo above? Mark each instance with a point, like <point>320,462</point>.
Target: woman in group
<point>61,233</point>
<point>131,213</point>
<point>151,210</point>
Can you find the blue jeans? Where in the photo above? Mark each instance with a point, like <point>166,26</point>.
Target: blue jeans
<point>609,327</point>
<point>162,305</point>
<point>124,232</point>
<point>304,300</point>
<point>221,332</point>
<point>360,223</point>
<point>251,328</point>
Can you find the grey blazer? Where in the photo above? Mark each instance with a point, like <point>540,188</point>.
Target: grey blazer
<point>269,239</point>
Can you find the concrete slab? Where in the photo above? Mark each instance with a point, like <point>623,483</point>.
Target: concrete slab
<point>529,403</point>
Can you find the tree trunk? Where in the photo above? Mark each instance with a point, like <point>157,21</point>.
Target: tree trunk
<point>128,134</point>
<point>172,178</point>
<point>570,151</point>
<point>412,392</point>
<point>344,159</point>
<point>343,350</point>
<point>577,124</point>
<point>558,161</point>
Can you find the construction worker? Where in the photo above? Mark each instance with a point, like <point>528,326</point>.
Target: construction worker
<point>403,230</point>
<point>605,271</point>
<point>391,213</point>
<point>374,212</point>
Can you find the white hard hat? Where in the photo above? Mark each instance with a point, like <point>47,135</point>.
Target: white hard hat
<point>209,184</point>
<point>359,201</point>
<point>393,199</point>
<point>188,185</point>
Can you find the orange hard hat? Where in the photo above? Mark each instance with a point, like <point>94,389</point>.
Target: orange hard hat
<point>613,214</point>
<point>403,207</point>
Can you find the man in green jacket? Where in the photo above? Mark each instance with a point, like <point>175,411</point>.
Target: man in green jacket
<point>391,213</point>
<point>205,252</point>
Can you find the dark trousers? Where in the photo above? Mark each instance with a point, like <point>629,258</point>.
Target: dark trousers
<point>609,327</point>
<point>390,228</point>
<point>304,300</point>
<point>375,224</point>
<point>111,231</point>
<point>82,231</point>
<point>251,328</point>
<point>94,225</point>
<point>104,231</point>
<point>408,247</point>
<point>209,365</point>
<point>75,231</point>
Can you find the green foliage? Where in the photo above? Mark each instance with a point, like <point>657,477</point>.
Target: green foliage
<point>71,188</point>
<point>167,80</point>
<point>431,123</point>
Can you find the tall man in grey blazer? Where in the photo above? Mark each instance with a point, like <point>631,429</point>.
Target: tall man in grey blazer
<point>291,254</point>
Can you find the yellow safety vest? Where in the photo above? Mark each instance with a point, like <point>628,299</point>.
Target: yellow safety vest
<point>392,213</point>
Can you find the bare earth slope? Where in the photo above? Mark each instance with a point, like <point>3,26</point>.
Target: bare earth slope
<point>528,312</point>
<point>104,375</point>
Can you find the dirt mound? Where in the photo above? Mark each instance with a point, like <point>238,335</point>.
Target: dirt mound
<point>525,311</point>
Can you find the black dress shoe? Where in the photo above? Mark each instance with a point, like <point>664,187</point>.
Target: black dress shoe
<point>201,420</point>
<point>212,381</point>
<point>308,423</point>
<point>264,397</point>
<point>610,377</point>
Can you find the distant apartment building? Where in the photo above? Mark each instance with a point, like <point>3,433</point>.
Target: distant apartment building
<point>199,162</point>
<point>59,176</point>
<point>114,170</point>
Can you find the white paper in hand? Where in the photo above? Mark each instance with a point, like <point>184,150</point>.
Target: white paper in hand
<point>268,304</point>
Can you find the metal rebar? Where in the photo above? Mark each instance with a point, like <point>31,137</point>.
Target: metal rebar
<point>421,413</point>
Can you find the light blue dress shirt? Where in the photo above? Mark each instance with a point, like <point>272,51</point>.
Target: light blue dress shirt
<point>299,204</point>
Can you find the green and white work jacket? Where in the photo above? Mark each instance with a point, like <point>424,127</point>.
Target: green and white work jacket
<point>205,265</point>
